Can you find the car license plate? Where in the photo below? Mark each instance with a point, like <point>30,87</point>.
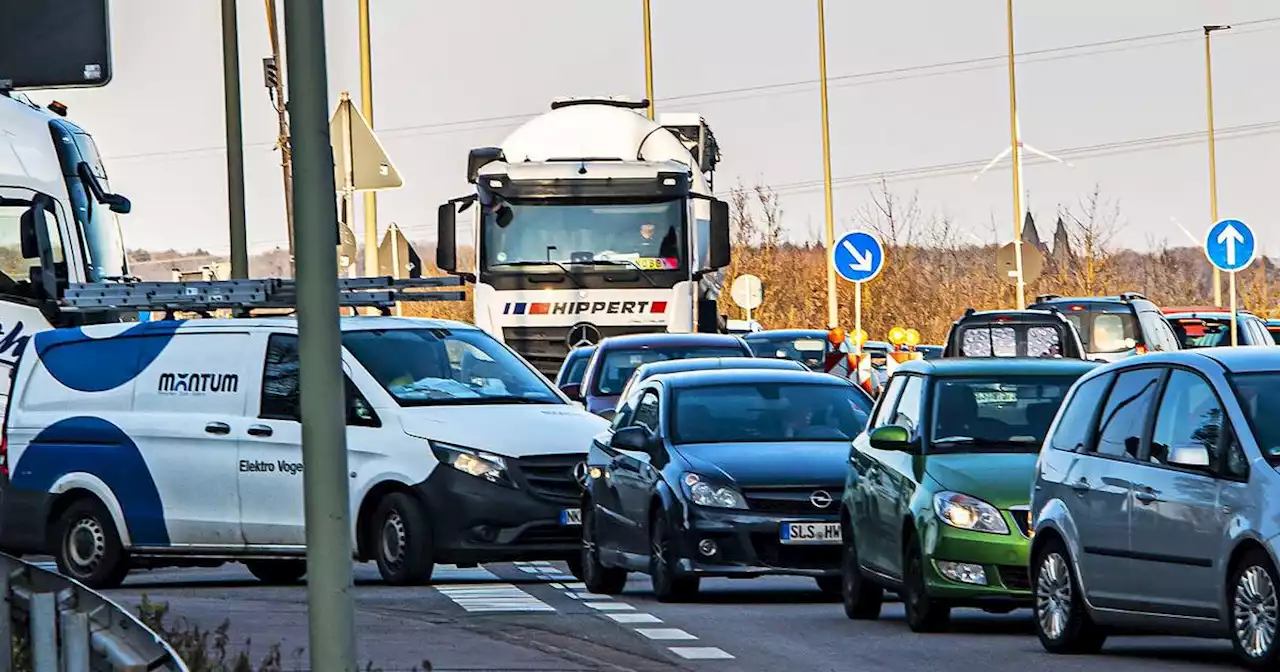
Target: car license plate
<point>810,533</point>
<point>571,517</point>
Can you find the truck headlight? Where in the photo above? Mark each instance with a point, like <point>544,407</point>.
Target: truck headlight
<point>968,513</point>
<point>704,493</point>
<point>490,467</point>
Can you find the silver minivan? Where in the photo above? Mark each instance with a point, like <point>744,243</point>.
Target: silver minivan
<point>1156,504</point>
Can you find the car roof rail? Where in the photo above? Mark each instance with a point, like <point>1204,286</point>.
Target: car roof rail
<point>1132,296</point>
<point>1047,297</point>
<point>242,297</point>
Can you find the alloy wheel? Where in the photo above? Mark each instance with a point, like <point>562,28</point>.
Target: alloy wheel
<point>1255,611</point>
<point>1053,596</point>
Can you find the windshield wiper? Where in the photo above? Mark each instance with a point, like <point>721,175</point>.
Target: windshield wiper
<point>983,441</point>
<point>477,401</point>
<point>624,262</point>
<point>562,267</point>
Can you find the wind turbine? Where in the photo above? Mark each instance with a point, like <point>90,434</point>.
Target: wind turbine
<point>1023,147</point>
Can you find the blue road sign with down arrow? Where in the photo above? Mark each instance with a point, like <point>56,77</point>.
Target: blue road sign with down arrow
<point>1230,245</point>
<point>858,256</point>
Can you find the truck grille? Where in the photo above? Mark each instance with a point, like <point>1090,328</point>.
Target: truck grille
<point>792,501</point>
<point>546,347</point>
<point>551,478</point>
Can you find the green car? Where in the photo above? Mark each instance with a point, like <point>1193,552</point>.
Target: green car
<point>936,503</point>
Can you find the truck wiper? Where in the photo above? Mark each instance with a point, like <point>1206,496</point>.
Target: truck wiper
<point>562,267</point>
<point>625,262</point>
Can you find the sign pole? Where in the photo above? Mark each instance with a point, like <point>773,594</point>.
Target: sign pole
<point>857,318</point>
<point>1235,333</point>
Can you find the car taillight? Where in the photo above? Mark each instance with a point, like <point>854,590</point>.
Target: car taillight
<point>1140,349</point>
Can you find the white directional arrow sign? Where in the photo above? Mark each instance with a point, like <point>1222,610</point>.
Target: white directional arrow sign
<point>862,261</point>
<point>1230,237</point>
<point>1230,245</point>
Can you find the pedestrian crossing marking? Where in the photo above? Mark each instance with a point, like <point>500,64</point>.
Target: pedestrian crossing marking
<point>493,597</point>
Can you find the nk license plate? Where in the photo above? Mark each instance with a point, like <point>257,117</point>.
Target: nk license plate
<point>810,533</point>
<point>571,517</point>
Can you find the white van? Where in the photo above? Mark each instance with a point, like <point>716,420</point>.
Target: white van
<point>177,443</point>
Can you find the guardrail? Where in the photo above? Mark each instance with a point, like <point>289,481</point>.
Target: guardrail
<point>66,627</point>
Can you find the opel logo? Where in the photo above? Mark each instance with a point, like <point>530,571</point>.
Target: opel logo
<point>582,334</point>
<point>820,499</point>
<point>580,474</point>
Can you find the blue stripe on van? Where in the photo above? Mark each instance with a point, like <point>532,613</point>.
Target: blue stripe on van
<point>88,364</point>
<point>95,446</point>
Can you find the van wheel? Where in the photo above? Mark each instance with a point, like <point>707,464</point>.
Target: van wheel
<point>1062,623</point>
<point>402,542</point>
<point>277,572</point>
<point>1255,612</point>
<point>89,548</point>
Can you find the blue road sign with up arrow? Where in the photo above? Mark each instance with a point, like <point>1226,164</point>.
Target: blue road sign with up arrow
<point>1230,245</point>
<point>858,256</point>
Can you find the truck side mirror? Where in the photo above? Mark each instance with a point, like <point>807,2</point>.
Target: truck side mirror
<point>446,238</point>
<point>720,244</point>
<point>36,243</point>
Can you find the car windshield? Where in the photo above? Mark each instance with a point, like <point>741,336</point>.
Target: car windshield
<point>995,414</point>
<point>646,234</point>
<point>768,412</point>
<point>1104,328</point>
<point>1261,405</point>
<point>437,367</point>
<point>619,365</point>
<point>807,350</point>
<point>1011,340</point>
<point>1202,333</point>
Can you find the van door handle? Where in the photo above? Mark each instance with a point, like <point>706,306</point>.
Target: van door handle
<point>218,428</point>
<point>259,430</point>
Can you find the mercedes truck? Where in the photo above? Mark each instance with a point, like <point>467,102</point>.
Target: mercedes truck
<point>589,221</point>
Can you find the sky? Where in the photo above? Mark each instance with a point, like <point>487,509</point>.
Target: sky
<point>1116,88</point>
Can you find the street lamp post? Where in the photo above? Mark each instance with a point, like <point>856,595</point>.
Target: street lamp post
<point>648,60</point>
<point>1213,154</point>
<point>1016,153</point>
<point>826,167</point>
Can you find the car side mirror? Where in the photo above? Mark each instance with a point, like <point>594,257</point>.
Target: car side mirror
<point>892,437</point>
<point>634,438</point>
<point>1191,457</point>
<point>572,390</point>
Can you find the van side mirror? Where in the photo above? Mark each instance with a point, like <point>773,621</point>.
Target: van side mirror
<point>720,248</point>
<point>572,390</point>
<point>446,238</point>
<point>892,437</point>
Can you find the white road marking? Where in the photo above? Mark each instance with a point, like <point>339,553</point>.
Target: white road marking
<point>493,597</point>
<point>586,596</point>
<point>611,606</point>
<point>664,633</point>
<point>576,585</point>
<point>453,573</point>
<point>47,566</point>
<point>634,618</point>
<point>700,653</point>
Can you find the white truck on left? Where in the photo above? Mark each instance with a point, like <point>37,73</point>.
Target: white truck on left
<point>58,222</point>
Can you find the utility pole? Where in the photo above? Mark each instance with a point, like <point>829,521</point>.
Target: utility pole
<point>832,302</point>
<point>235,142</point>
<point>275,87</point>
<point>366,107</point>
<point>324,444</point>
<point>1017,166</point>
<point>648,60</point>
<point>1213,153</point>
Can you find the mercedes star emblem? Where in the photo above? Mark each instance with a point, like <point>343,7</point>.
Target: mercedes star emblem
<point>580,474</point>
<point>582,334</point>
<point>820,499</point>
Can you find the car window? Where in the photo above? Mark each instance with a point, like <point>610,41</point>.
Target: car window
<point>1072,433</point>
<point>280,397</point>
<point>750,412</point>
<point>995,413</point>
<point>574,369</point>
<point>646,414</point>
<point>884,412</point>
<point>622,417</point>
<point>1161,338</point>
<point>809,351</point>
<point>1038,340</point>
<point>1125,416</point>
<point>1256,393</point>
<point>1189,416</point>
<point>618,365</point>
<point>910,404</point>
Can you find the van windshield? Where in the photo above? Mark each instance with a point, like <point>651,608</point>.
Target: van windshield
<point>438,367</point>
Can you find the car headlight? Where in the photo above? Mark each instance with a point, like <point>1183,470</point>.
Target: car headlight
<point>968,513</point>
<point>704,493</point>
<point>490,467</point>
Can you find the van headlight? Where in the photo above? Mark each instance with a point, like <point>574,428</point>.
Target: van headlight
<point>704,493</point>
<point>968,513</point>
<point>490,467</point>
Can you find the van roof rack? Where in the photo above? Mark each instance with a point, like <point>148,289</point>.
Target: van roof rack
<point>247,295</point>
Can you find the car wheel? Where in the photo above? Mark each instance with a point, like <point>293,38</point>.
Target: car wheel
<point>598,578</point>
<point>1061,620</point>
<point>923,613</point>
<point>402,541</point>
<point>89,548</point>
<point>1255,612</point>
<point>277,572</point>
<point>862,599</point>
<point>668,586</point>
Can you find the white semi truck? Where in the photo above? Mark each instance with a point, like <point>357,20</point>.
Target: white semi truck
<point>592,221</point>
<point>58,224</point>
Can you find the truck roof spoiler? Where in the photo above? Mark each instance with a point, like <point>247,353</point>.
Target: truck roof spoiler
<point>244,296</point>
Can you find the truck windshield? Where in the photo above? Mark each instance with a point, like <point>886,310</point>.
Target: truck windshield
<point>103,243</point>
<point>649,235</point>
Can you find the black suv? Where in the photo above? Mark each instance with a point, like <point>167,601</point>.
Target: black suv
<point>1013,333</point>
<point>1114,327</point>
